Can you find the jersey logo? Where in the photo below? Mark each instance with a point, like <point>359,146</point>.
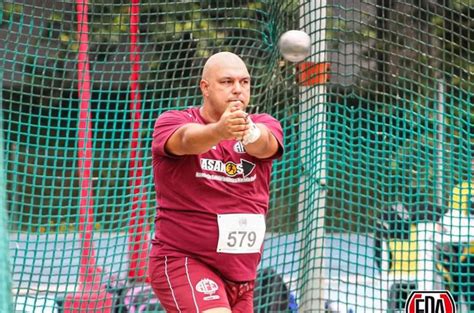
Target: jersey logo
<point>230,169</point>
<point>239,147</point>
<point>208,287</point>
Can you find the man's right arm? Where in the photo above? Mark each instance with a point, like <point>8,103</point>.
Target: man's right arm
<point>193,138</point>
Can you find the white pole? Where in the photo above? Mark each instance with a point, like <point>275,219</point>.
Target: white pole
<point>312,196</point>
<point>426,232</point>
<point>426,255</point>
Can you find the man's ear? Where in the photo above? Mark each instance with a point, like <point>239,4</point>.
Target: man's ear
<point>204,85</point>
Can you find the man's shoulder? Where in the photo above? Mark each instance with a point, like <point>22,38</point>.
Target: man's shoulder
<point>188,113</point>
<point>262,117</point>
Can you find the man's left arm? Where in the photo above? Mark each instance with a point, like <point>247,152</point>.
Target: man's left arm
<point>265,146</point>
<point>270,141</point>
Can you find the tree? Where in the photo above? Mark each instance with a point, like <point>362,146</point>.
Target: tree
<point>406,52</point>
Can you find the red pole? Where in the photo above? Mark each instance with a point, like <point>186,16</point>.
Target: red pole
<point>138,231</point>
<point>89,272</point>
<point>91,296</point>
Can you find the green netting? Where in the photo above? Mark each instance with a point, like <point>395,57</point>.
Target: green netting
<point>5,273</point>
<point>375,158</point>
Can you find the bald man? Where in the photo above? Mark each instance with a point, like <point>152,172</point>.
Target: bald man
<point>212,167</point>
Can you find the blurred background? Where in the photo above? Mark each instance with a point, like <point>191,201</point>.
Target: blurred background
<point>377,145</point>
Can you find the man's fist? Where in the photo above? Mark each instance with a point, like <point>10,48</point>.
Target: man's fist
<point>233,123</point>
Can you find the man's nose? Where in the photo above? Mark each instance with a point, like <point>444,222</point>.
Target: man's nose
<point>237,88</point>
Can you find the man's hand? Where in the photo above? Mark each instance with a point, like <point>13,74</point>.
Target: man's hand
<point>233,123</point>
<point>194,138</point>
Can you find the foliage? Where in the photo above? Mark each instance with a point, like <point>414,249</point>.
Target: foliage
<point>175,38</point>
<point>10,12</point>
<point>382,117</point>
<point>174,41</point>
<point>394,98</point>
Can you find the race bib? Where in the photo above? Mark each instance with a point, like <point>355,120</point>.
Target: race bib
<point>240,233</point>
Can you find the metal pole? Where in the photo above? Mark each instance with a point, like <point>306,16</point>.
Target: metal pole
<point>312,201</point>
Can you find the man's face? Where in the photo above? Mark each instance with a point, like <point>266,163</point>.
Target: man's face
<point>226,84</point>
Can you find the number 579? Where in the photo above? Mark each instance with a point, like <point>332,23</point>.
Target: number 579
<point>241,238</point>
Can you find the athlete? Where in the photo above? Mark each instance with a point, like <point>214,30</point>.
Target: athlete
<point>212,167</point>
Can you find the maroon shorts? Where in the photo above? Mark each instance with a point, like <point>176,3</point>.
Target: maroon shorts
<point>184,284</point>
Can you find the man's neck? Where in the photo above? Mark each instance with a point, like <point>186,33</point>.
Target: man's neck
<point>208,115</point>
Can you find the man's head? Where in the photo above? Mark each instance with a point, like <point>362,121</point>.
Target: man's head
<point>225,80</point>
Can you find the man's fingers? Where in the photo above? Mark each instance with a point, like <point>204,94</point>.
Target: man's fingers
<point>244,133</point>
<point>236,127</point>
<point>237,121</point>
<point>239,135</point>
<point>239,128</point>
<point>234,106</point>
<point>237,114</point>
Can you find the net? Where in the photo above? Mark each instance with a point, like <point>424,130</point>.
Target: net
<point>5,275</point>
<point>370,201</point>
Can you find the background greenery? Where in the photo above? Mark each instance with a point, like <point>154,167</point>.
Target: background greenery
<point>382,102</point>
